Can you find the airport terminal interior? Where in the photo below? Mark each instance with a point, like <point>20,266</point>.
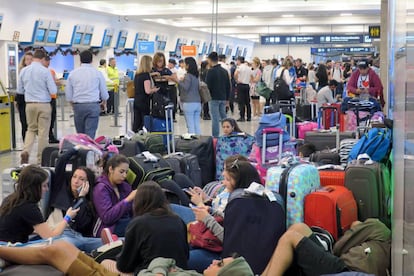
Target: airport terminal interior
<point>315,31</point>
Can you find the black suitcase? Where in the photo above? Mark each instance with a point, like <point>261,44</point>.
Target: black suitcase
<point>142,170</point>
<point>325,157</point>
<point>326,140</point>
<point>47,160</point>
<point>188,165</point>
<point>128,147</point>
<point>303,112</point>
<point>203,148</point>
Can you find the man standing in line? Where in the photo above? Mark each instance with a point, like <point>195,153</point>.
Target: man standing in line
<point>85,89</point>
<point>242,76</point>
<point>113,88</point>
<point>218,83</point>
<point>52,138</point>
<point>102,69</point>
<point>37,86</point>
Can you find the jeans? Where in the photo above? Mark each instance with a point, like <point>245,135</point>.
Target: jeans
<point>121,226</point>
<point>82,243</point>
<point>217,113</point>
<point>185,213</point>
<point>86,118</point>
<point>192,117</point>
<point>200,259</point>
<point>110,102</point>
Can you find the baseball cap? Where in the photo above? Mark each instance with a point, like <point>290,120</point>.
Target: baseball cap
<point>362,64</point>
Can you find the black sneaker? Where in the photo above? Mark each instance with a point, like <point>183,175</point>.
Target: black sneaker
<point>241,120</point>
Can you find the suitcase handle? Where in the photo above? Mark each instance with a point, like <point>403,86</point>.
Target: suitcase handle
<point>271,130</point>
<point>327,189</point>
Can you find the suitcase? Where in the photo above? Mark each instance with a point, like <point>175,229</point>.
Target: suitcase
<point>128,147</point>
<point>164,127</point>
<point>332,176</point>
<point>259,223</point>
<point>370,182</point>
<point>332,208</point>
<point>304,127</point>
<point>142,170</point>
<point>330,115</point>
<point>46,160</point>
<point>293,182</point>
<point>187,164</point>
<point>304,111</point>
<point>227,146</point>
<point>325,157</point>
<point>202,147</point>
<point>326,140</point>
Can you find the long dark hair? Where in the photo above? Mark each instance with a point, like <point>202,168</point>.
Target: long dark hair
<point>243,173</point>
<point>192,66</point>
<point>28,189</point>
<point>150,198</point>
<point>112,160</point>
<point>233,123</point>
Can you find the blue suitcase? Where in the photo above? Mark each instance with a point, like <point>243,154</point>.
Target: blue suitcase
<point>293,182</point>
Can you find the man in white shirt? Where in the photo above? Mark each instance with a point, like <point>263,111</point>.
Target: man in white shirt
<point>243,76</point>
<point>172,86</point>
<point>325,95</point>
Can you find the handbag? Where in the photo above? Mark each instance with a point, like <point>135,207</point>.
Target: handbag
<point>201,237</point>
<point>130,89</point>
<point>204,92</point>
<point>263,90</point>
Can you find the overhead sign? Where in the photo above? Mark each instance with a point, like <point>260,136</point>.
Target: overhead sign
<point>374,31</point>
<point>312,39</point>
<point>146,47</point>
<point>324,50</point>
<point>188,51</point>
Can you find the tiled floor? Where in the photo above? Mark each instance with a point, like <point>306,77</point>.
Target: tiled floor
<point>106,127</point>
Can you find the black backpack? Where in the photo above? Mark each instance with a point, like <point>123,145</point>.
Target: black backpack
<point>281,88</point>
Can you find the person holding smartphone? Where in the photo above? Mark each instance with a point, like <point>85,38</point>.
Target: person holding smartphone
<point>75,194</point>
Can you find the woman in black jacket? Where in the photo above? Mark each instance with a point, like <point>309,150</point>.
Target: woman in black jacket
<point>155,231</point>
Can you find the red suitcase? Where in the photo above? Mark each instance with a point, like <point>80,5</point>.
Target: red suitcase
<point>333,208</point>
<point>329,119</point>
<point>332,177</point>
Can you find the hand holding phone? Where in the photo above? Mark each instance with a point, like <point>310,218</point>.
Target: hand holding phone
<point>192,206</point>
<point>78,203</point>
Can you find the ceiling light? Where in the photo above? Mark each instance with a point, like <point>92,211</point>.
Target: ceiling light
<point>242,16</point>
<point>346,14</point>
<point>187,18</point>
<point>287,15</point>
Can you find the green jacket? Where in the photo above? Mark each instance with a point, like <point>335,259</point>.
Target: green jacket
<point>166,267</point>
<point>366,248</point>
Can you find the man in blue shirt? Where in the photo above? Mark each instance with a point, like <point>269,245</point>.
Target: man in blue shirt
<point>37,86</point>
<point>85,89</point>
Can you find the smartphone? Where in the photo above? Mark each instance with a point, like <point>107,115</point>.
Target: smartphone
<point>192,205</point>
<point>187,190</point>
<point>78,203</point>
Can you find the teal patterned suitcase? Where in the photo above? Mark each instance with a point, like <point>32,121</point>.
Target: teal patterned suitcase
<point>293,182</point>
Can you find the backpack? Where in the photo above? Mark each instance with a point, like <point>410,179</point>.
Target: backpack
<point>271,120</point>
<point>281,88</point>
<point>376,143</point>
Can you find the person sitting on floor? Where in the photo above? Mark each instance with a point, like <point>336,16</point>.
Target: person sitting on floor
<point>69,260</point>
<point>301,246</point>
<point>20,214</point>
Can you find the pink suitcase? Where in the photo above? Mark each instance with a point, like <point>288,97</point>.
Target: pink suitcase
<point>305,127</point>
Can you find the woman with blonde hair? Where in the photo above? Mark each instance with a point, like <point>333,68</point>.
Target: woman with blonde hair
<point>143,89</point>
<point>254,79</point>
<point>21,104</point>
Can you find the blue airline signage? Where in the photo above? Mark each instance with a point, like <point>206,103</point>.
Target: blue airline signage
<point>146,47</point>
<point>314,39</point>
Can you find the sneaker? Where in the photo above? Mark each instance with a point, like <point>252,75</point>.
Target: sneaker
<point>24,158</point>
<point>240,120</point>
<point>107,236</point>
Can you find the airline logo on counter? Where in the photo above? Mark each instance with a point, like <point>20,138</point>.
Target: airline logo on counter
<point>146,47</point>
<point>188,50</point>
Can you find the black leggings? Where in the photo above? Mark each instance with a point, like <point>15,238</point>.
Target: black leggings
<point>21,106</point>
<point>139,114</point>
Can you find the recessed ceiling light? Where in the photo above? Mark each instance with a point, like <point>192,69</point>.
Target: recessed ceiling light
<point>287,15</point>
<point>242,16</point>
<point>346,14</point>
